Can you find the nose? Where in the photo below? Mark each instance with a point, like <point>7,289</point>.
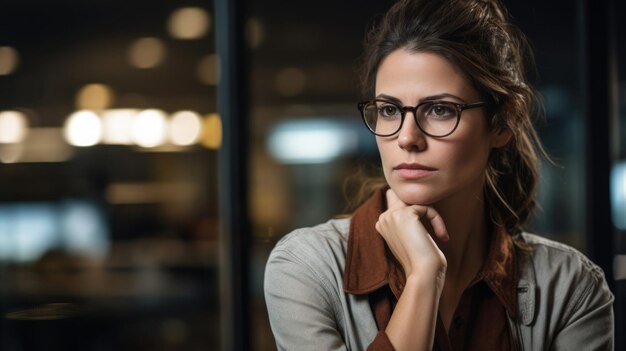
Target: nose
<point>410,136</point>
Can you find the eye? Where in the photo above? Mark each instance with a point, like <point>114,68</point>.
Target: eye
<point>441,110</point>
<point>388,110</point>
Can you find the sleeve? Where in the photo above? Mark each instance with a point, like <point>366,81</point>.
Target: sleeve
<point>301,309</point>
<point>590,324</point>
<point>299,306</point>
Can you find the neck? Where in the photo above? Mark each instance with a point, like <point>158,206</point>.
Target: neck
<point>464,215</point>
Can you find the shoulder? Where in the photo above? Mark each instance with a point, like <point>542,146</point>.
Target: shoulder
<point>329,238</point>
<point>563,275</point>
<point>309,262</point>
<point>318,252</point>
<point>563,297</point>
<point>555,258</point>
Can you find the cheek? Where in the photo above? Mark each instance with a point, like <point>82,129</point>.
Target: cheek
<point>467,153</point>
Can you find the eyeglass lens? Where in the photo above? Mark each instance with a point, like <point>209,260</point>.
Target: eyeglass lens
<point>434,118</point>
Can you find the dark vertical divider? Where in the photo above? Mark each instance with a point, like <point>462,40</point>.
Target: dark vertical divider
<point>232,102</point>
<point>600,72</point>
<point>600,120</point>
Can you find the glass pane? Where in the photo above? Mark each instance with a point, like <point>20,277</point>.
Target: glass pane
<point>108,167</point>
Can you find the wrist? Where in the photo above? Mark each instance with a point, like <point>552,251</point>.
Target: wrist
<point>427,278</point>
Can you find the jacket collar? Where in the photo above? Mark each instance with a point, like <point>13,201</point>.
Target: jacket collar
<point>367,267</point>
<point>370,265</point>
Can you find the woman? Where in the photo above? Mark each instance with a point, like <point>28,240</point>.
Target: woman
<point>439,258</point>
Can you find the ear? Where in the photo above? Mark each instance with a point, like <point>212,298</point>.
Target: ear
<point>500,137</point>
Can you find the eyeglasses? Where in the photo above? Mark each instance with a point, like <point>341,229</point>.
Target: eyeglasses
<point>437,119</point>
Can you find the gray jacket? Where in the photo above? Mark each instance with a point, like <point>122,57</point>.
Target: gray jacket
<point>563,299</point>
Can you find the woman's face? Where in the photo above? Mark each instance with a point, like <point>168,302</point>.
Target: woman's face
<point>419,168</point>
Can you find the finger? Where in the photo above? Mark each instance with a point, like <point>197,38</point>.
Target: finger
<point>393,201</point>
<point>435,220</point>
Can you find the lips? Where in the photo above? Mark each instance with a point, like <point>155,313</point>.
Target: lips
<point>414,166</point>
<point>413,170</point>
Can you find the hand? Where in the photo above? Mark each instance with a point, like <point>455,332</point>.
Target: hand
<point>402,228</point>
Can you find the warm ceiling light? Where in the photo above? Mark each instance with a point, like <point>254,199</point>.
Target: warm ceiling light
<point>9,59</point>
<point>189,23</point>
<point>83,128</point>
<point>149,128</point>
<point>13,127</point>
<point>147,53</point>
<point>118,126</point>
<point>94,97</point>
<point>185,128</point>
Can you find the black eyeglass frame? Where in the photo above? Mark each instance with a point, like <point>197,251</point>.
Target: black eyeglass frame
<point>404,109</point>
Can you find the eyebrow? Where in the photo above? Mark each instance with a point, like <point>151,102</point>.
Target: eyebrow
<point>427,98</point>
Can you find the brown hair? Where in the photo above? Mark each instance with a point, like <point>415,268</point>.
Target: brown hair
<point>478,37</point>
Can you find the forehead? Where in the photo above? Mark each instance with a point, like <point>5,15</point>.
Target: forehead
<point>414,75</point>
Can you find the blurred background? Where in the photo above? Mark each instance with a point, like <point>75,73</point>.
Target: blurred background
<point>110,172</point>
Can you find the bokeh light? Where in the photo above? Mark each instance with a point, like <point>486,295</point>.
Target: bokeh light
<point>149,128</point>
<point>13,127</point>
<point>147,53</point>
<point>94,97</point>
<point>11,153</point>
<point>212,132</point>
<point>118,126</point>
<point>83,128</point>
<point>209,70</point>
<point>254,32</point>
<point>185,128</point>
<point>618,194</point>
<point>9,60</point>
<point>311,141</point>
<point>188,23</point>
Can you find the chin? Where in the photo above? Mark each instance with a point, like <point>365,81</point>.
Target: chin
<point>412,194</point>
